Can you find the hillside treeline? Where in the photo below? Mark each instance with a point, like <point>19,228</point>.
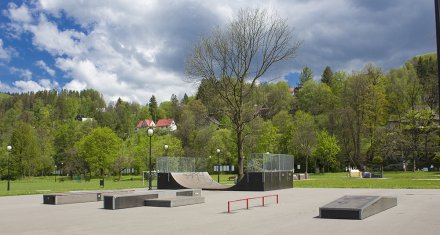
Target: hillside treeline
<point>365,119</point>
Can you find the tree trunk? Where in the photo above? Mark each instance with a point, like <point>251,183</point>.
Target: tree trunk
<point>307,167</point>
<point>240,154</point>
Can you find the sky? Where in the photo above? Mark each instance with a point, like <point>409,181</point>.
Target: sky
<point>135,49</point>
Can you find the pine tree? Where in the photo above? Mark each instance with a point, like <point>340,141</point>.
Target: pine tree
<point>327,76</point>
<point>305,75</point>
<point>185,99</point>
<point>153,108</point>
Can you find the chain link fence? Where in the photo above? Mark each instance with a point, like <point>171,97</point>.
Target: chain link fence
<point>263,162</point>
<point>180,164</point>
<point>257,162</point>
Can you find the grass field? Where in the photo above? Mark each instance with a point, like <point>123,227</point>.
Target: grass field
<point>37,185</point>
<point>407,180</point>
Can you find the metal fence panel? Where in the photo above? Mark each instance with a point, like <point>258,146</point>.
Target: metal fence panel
<point>262,162</point>
<point>180,164</point>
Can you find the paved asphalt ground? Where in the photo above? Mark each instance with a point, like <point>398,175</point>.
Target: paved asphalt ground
<point>417,212</point>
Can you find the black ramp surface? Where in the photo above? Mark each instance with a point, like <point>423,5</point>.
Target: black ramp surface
<point>356,207</point>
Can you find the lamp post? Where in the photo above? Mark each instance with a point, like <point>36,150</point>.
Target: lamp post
<point>218,167</point>
<point>150,133</point>
<point>9,148</point>
<point>56,173</point>
<point>166,149</point>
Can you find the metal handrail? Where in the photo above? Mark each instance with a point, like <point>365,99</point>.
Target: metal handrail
<point>251,198</point>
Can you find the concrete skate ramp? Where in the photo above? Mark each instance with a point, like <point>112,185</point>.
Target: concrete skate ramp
<point>198,180</point>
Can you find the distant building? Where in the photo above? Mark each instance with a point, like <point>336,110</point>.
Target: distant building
<point>146,123</point>
<point>81,118</point>
<point>167,124</point>
<point>292,90</point>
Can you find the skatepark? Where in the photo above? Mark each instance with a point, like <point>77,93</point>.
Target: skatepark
<point>193,203</point>
<point>297,212</point>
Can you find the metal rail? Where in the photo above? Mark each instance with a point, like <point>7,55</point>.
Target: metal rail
<point>251,198</point>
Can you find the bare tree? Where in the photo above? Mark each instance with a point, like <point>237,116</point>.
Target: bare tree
<point>234,58</point>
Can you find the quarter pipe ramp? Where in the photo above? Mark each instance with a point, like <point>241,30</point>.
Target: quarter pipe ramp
<point>253,181</point>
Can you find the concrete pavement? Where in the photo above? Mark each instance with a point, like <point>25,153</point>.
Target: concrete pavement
<point>417,212</point>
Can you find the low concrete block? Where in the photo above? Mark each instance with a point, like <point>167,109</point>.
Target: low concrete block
<point>69,198</point>
<point>189,192</point>
<point>356,207</point>
<point>80,196</point>
<point>115,202</point>
<point>301,176</point>
<point>175,201</point>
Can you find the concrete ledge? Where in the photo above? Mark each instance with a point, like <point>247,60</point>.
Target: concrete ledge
<point>69,198</point>
<point>356,207</point>
<point>115,202</point>
<point>189,192</point>
<point>80,196</point>
<point>175,201</point>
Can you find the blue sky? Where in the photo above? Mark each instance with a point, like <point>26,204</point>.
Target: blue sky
<point>134,49</point>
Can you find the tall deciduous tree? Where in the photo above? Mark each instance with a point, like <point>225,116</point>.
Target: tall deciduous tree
<point>26,151</point>
<point>364,96</point>
<point>234,58</point>
<point>99,149</point>
<point>327,148</point>
<point>303,136</point>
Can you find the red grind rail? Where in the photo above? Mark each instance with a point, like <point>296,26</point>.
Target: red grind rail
<point>251,198</point>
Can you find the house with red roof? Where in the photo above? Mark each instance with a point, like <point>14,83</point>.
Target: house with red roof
<point>146,123</point>
<point>167,124</point>
<point>292,90</point>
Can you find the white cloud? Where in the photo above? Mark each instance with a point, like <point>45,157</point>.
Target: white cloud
<point>23,73</point>
<point>48,37</point>
<point>19,14</point>
<point>48,84</point>
<point>137,49</point>
<point>29,86</point>
<point>5,53</point>
<point>75,85</point>
<point>6,88</point>
<point>45,67</point>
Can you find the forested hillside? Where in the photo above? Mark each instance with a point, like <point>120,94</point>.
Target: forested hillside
<point>362,118</point>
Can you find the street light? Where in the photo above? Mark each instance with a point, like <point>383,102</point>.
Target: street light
<point>150,133</point>
<point>9,148</point>
<point>218,168</point>
<point>56,173</point>
<point>166,149</point>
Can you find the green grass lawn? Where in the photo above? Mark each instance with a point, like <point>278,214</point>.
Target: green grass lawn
<point>39,185</point>
<point>407,180</point>
<point>413,180</point>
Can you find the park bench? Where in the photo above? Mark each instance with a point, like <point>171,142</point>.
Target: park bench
<point>232,178</point>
